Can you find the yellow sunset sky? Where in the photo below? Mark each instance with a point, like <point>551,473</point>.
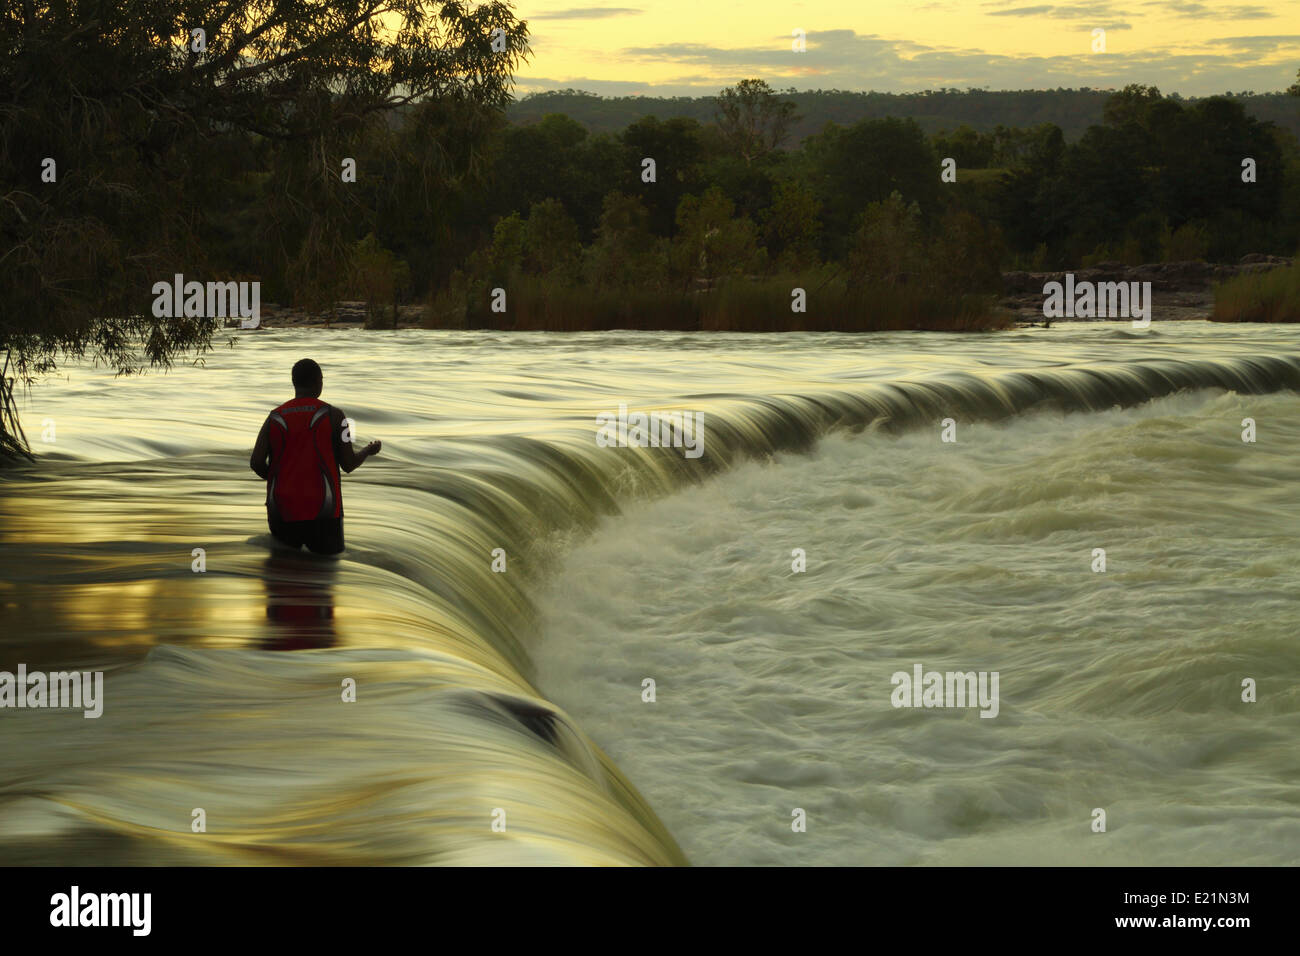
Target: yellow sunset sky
<point>694,47</point>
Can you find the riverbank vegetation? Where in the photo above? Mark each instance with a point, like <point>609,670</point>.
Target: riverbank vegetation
<point>1272,296</point>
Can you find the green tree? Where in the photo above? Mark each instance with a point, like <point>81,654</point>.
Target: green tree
<point>889,244</point>
<point>380,278</point>
<point>971,149</point>
<point>676,148</point>
<point>505,256</point>
<point>423,188</point>
<point>1033,200</point>
<point>850,167</point>
<point>556,159</point>
<point>711,241</point>
<point>753,119</point>
<point>623,252</point>
<point>551,242</point>
<point>139,119</point>
<point>792,226</point>
<point>966,253</point>
<point>1130,105</point>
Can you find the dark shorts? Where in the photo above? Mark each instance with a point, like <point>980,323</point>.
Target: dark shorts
<point>322,536</point>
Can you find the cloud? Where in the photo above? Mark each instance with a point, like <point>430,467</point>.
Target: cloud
<point>845,59</point>
<point>1259,43</point>
<point>587,13</point>
<point>1060,11</point>
<point>1096,14</point>
<point>1023,12</point>
<point>1203,11</point>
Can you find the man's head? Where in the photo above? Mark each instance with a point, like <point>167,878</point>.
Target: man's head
<point>307,379</point>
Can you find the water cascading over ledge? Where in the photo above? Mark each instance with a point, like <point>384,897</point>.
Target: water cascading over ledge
<point>205,710</point>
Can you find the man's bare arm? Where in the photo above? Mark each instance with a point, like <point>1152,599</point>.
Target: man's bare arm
<point>348,458</point>
<point>259,460</point>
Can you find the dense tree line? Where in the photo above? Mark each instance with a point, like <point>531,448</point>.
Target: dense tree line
<point>934,110</point>
<point>1156,178</point>
<point>231,159</point>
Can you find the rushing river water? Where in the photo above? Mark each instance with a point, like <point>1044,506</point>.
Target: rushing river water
<point>501,717</point>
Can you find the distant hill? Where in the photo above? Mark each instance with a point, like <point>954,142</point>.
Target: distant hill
<point>1072,110</point>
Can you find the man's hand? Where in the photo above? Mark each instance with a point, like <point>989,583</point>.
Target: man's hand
<point>348,458</point>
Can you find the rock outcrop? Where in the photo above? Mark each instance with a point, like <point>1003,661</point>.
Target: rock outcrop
<point>1179,290</point>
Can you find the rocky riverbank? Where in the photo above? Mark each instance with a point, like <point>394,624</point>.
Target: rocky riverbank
<point>1179,290</point>
<point>347,315</point>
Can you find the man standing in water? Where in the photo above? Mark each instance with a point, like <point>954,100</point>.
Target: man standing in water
<point>298,454</point>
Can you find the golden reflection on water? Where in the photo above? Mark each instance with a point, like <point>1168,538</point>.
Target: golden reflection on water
<point>299,602</point>
<point>224,689</point>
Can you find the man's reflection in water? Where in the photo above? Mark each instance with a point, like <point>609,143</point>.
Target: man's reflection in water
<point>299,601</point>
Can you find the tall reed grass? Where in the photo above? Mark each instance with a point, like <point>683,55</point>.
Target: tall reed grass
<point>735,304</point>
<point>1272,296</point>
